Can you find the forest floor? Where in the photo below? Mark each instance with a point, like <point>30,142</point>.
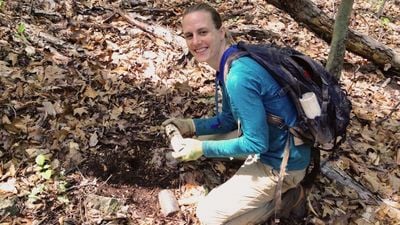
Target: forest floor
<point>84,88</point>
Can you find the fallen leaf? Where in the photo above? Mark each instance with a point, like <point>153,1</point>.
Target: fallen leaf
<point>371,181</point>
<point>116,112</point>
<point>8,186</point>
<point>49,108</point>
<point>80,111</point>
<point>90,92</point>
<point>74,157</point>
<point>220,167</point>
<point>398,156</point>
<point>93,140</point>
<point>30,51</point>
<point>5,120</point>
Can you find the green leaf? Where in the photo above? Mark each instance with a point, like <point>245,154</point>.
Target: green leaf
<point>33,196</point>
<point>40,160</point>
<point>47,166</point>
<point>21,28</point>
<point>385,21</point>
<point>47,174</point>
<point>63,199</point>
<point>62,187</point>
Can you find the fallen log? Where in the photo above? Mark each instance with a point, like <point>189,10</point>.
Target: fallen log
<point>254,32</point>
<point>330,170</point>
<point>306,12</point>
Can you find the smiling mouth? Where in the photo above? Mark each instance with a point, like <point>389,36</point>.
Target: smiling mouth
<point>200,50</point>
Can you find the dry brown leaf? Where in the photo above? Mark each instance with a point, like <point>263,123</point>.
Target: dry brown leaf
<point>17,125</point>
<point>49,108</point>
<point>12,57</point>
<point>80,111</point>
<point>116,112</point>
<point>395,183</point>
<point>398,155</point>
<point>5,119</point>
<point>53,73</point>
<point>220,167</point>
<point>192,195</point>
<point>372,181</point>
<point>10,170</point>
<point>90,92</point>
<point>368,134</point>
<point>74,157</point>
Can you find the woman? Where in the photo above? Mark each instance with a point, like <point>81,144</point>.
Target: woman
<point>249,95</point>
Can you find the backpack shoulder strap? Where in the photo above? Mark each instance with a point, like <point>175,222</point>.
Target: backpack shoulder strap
<point>229,61</point>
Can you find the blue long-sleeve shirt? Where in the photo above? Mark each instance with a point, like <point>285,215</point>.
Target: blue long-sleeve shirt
<point>249,93</point>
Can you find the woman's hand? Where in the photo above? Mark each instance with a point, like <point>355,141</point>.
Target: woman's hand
<point>185,126</point>
<point>192,150</point>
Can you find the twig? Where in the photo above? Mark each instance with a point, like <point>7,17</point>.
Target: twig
<point>310,206</point>
<point>82,214</point>
<point>13,109</point>
<point>105,182</point>
<point>81,185</point>
<point>379,122</point>
<point>93,25</point>
<point>53,16</point>
<point>143,26</point>
<point>240,12</point>
<point>253,32</point>
<point>155,31</point>
<point>353,77</point>
<point>155,10</point>
<point>4,217</point>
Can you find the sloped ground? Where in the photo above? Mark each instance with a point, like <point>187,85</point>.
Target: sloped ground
<point>85,87</point>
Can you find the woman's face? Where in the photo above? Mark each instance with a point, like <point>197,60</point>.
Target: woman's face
<point>203,39</point>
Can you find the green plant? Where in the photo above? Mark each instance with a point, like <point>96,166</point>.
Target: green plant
<point>61,191</point>
<point>33,196</point>
<point>44,168</point>
<point>21,31</point>
<point>385,21</point>
<point>1,4</point>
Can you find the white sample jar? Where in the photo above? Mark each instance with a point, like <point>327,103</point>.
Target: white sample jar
<point>310,105</point>
<point>168,202</point>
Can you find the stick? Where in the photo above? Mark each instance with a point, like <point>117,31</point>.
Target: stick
<point>331,171</point>
<point>379,122</point>
<point>155,31</point>
<point>53,16</point>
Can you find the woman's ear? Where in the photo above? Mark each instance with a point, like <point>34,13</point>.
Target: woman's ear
<point>223,32</point>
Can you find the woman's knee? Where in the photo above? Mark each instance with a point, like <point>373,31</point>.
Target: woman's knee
<point>207,214</point>
<point>203,212</point>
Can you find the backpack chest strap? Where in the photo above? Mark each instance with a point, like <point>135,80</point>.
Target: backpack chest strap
<point>277,121</point>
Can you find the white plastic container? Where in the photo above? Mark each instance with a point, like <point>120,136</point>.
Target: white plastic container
<point>168,202</point>
<point>310,105</point>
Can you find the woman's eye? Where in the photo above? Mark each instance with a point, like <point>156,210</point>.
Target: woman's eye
<point>188,36</point>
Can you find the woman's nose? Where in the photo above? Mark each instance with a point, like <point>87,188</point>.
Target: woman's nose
<point>195,39</point>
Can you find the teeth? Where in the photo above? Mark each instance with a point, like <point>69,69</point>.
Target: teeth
<point>200,50</point>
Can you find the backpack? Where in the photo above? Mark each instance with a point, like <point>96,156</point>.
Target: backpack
<point>299,74</point>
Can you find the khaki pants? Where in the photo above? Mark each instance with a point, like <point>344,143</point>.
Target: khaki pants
<point>246,197</point>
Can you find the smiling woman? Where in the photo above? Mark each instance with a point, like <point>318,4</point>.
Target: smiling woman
<point>204,34</point>
<point>241,130</point>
